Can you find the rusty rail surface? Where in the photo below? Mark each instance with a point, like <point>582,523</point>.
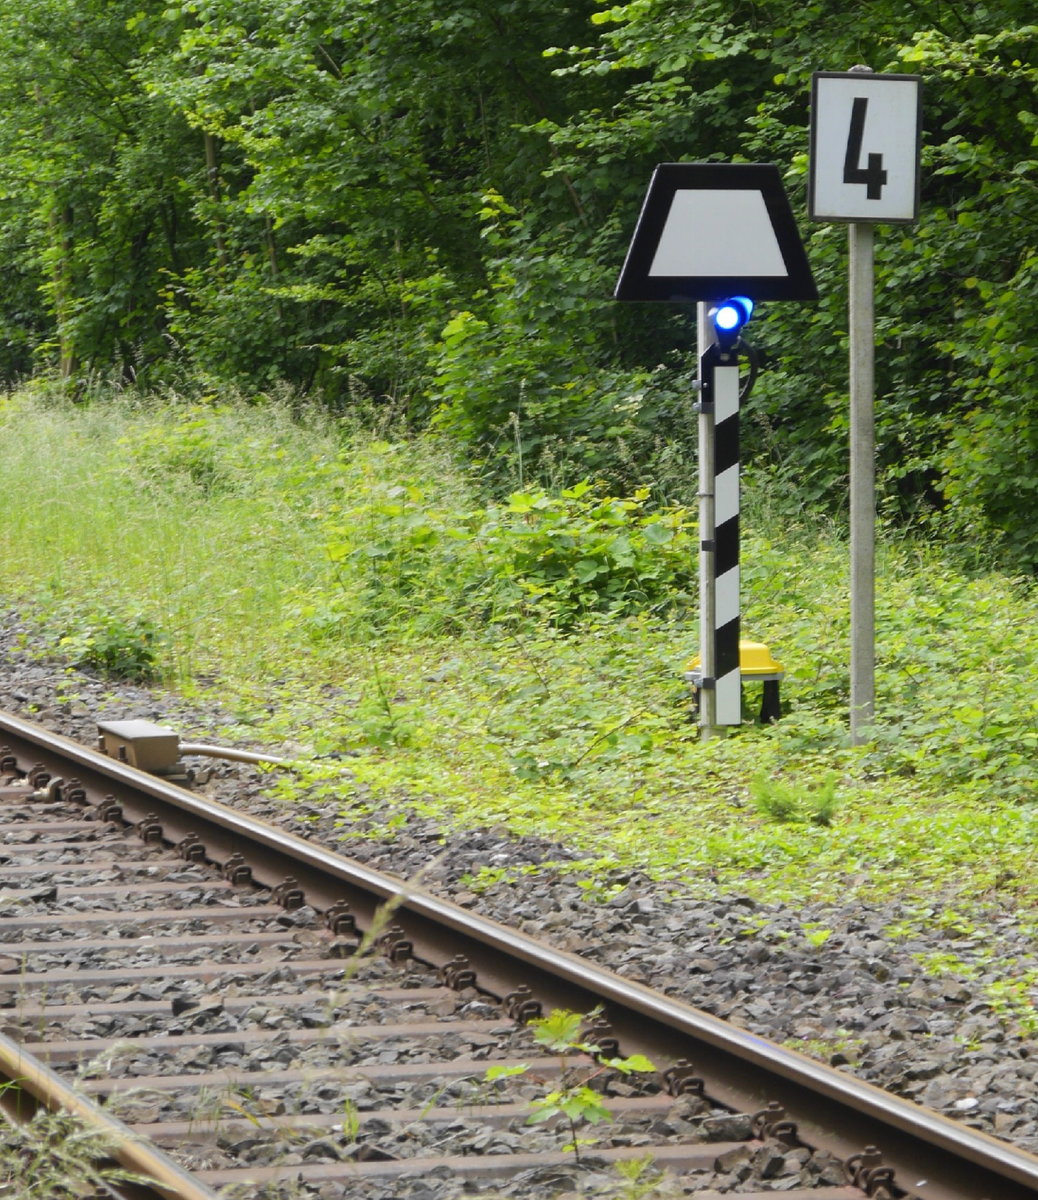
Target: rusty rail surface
<point>924,1154</point>
<point>32,1085</point>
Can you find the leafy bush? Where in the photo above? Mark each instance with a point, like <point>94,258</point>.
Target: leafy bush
<point>124,646</point>
<point>570,555</point>
<point>394,519</point>
<point>518,378</point>
<point>405,560</point>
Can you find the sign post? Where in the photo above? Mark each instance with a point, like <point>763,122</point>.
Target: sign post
<point>721,234</point>
<point>865,131</point>
<point>719,395</point>
<point>862,336</point>
<point>707,616</point>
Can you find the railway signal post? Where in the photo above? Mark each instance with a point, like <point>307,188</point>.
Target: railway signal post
<point>719,396</point>
<point>721,236</point>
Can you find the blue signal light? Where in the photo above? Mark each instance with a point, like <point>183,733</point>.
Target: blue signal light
<point>731,315</point>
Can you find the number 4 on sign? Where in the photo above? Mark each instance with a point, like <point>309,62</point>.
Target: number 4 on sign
<point>873,176</point>
<point>865,132</point>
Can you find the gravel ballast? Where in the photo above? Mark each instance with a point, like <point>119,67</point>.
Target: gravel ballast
<point>829,979</point>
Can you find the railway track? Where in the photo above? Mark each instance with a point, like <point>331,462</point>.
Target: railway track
<point>246,1014</point>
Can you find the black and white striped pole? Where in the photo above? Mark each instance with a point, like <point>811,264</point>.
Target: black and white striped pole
<point>719,494</point>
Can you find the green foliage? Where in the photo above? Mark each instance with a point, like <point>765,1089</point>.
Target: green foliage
<point>187,448</point>
<point>575,1100</point>
<point>560,1031</point>
<point>1013,1000</point>
<point>574,554</point>
<point>394,530</point>
<point>348,145</point>
<point>55,1156</point>
<point>521,377</point>
<point>988,467</point>
<point>783,800</point>
<point>982,727</point>
<point>479,709</point>
<point>121,645</point>
<point>91,190</point>
<point>381,718</point>
<point>953,359</point>
<point>400,555</point>
<point>420,214</point>
<point>816,935</point>
<point>640,1179</point>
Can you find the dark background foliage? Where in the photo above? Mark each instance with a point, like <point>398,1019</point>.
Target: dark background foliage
<point>423,208</point>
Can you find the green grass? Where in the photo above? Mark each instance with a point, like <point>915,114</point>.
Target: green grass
<point>55,1156</point>
<point>519,664</point>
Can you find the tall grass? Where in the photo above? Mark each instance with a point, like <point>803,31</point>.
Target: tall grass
<point>210,521</point>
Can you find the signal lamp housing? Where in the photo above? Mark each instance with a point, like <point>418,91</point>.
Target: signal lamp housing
<point>728,318</point>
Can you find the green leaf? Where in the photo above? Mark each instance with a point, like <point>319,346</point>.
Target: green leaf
<point>504,1072</point>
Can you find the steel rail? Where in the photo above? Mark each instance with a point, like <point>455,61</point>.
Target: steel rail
<point>31,1085</point>
<point>933,1157</point>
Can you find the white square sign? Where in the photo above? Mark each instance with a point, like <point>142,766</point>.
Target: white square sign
<point>865,132</point>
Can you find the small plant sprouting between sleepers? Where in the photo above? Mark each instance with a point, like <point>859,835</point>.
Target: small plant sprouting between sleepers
<point>574,1100</point>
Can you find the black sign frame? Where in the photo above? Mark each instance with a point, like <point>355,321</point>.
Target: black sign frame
<point>636,283</point>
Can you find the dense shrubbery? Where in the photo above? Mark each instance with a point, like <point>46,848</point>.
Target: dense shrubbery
<point>405,559</point>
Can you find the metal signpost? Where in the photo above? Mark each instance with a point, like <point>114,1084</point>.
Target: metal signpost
<point>865,132</point>
<point>721,236</point>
